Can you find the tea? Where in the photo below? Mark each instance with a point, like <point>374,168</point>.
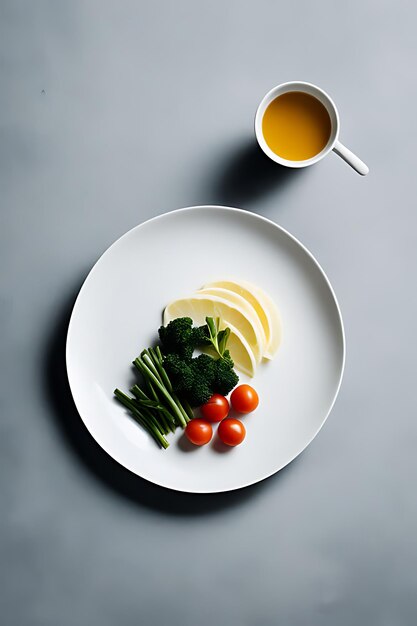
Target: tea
<point>296,126</point>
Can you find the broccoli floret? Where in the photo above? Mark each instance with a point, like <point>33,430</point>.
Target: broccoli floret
<point>201,336</point>
<point>191,379</point>
<point>196,379</point>
<point>228,359</point>
<point>178,337</point>
<point>179,372</point>
<point>199,394</point>
<point>205,366</point>
<point>226,377</point>
<point>204,369</point>
<point>177,332</point>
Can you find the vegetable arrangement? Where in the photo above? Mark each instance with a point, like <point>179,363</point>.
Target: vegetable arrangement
<point>174,381</point>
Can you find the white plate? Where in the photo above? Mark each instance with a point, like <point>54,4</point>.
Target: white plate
<point>118,312</point>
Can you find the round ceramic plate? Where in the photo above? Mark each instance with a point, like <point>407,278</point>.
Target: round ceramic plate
<point>118,312</point>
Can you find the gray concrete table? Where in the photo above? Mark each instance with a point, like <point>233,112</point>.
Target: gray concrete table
<point>110,113</point>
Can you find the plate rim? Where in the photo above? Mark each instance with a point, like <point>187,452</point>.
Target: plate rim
<point>227,209</point>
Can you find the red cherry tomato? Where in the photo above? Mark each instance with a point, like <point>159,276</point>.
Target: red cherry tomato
<point>198,431</point>
<point>244,399</point>
<point>215,409</point>
<point>231,431</point>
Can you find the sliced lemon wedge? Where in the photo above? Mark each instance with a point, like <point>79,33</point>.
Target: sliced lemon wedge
<point>241,352</point>
<point>264,307</point>
<point>238,301</point>
<point>202,305</point>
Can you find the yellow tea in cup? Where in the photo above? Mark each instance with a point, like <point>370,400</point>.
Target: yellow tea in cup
<point>296,126</point>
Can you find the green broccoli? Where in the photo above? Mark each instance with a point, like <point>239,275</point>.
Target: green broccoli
<point>204,365</point>
<point>226,358</point>
<point>181,338</point>
<point>201,335</point>
<point>192,379</point>
<point>196,379</point>
<point>226,377</point>
<point>178,337</point>
<point>179,372</point>
<point>199,394</point>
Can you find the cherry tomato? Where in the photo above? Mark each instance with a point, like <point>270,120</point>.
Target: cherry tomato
<point>215,409</point>
<point>244,399</point>
<point>198,431</point>
<point>231,431</point>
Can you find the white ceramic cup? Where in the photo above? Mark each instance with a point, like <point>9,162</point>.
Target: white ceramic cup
<point>333,142</point>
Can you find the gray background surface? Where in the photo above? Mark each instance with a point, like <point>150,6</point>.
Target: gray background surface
<point>113,112</point>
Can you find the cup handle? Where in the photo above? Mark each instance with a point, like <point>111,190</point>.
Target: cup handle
<point>350,158</point>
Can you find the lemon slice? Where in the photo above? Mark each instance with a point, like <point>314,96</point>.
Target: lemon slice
<point>237,300</point>
<point>200,306</point>
<point>241,352</point>
<point>263,305</point>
